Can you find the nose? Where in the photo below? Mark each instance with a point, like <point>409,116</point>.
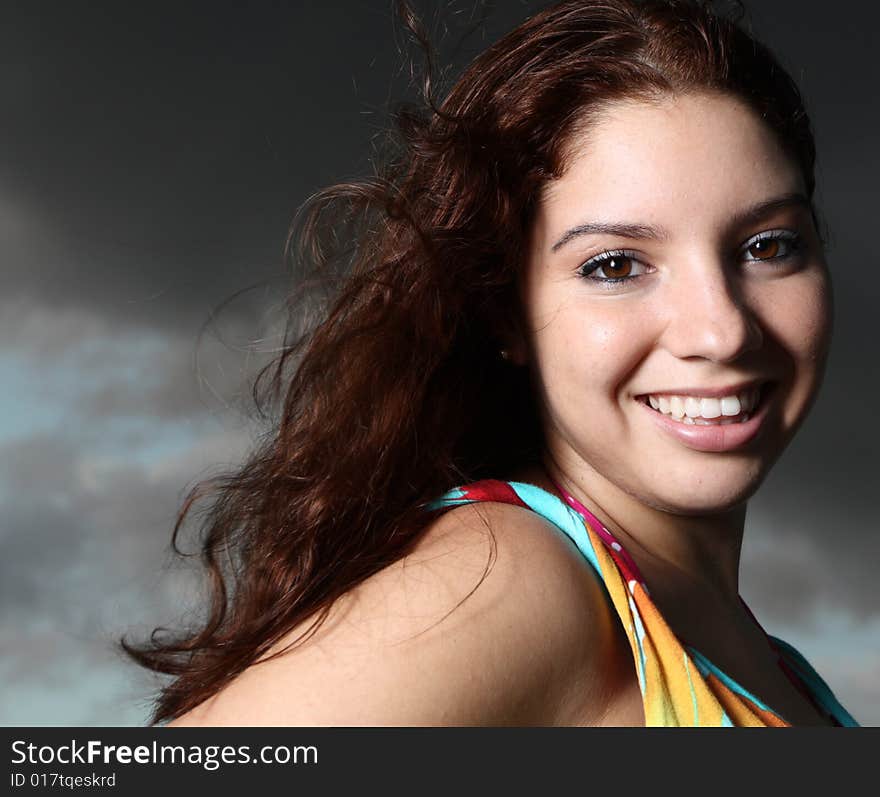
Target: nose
<point>709,315</point>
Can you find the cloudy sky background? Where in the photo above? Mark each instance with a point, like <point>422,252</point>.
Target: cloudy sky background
<point>150,161</point>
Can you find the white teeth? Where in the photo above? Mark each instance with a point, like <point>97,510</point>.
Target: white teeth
<point>710,407</point>
<point>676,406</point>
<point>703,411</point>
<point>730,405</point>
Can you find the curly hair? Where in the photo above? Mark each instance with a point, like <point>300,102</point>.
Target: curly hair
<point>397,393</point>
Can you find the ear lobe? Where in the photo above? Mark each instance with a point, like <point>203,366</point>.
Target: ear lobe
<point>512,348</point>
<point>507,326</point>
<point>514,353</point>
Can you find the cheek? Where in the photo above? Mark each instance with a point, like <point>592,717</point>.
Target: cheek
<point>585,350</point>
<point>800,316</point>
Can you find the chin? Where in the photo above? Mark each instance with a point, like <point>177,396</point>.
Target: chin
<point>713,497</point>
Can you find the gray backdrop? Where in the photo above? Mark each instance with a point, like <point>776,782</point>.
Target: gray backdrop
<point>150,161</point>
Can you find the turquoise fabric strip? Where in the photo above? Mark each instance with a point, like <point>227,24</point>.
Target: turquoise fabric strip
<point>815,683</point>
<point>561,515</point>
<point>545,504</point>
<point>706,667</point>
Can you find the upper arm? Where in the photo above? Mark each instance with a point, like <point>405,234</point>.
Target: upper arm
<point>402,649</point>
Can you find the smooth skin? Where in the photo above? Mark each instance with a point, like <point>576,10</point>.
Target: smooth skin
<point>537,643</point>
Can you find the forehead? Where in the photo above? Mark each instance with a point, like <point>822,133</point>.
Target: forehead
<point>693,156</point>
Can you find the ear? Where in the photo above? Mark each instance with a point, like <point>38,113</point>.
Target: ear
<point>505,320</point>
<point>513,353</point>
<point>512,344</point>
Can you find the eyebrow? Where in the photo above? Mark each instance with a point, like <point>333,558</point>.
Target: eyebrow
<point>645,231</point>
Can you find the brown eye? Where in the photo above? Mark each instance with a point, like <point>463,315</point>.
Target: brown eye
<point>616,267</point>
<point>611,269</point>
<point>765,249</point>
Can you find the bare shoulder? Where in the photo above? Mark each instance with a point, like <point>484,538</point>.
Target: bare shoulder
<point>493,619</point>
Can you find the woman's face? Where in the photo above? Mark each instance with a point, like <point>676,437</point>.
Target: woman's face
<point>717,284</point>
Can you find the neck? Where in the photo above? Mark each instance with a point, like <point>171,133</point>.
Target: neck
<point>681,557</point>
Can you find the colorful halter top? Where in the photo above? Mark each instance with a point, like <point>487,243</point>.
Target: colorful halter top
<point>680,686</point>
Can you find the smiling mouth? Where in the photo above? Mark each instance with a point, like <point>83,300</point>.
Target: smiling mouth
<point>693,411</point>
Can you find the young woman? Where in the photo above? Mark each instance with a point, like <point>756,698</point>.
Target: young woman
<point>583,313</point>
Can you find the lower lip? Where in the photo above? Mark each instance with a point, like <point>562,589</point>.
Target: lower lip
<point>715,438</point>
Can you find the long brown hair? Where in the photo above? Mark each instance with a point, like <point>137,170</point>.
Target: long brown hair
<point>399,393</point>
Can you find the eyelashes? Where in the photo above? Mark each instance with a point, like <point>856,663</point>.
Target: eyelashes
<point>771,242</point>
<point>613,260</point>
<point>617,266</point>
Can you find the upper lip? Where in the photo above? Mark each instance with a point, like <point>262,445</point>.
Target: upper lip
<point>708,392</point>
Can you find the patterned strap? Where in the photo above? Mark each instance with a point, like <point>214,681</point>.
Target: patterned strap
<point>530,497</point>
<point>673,692</point>
<point>819,689</point>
